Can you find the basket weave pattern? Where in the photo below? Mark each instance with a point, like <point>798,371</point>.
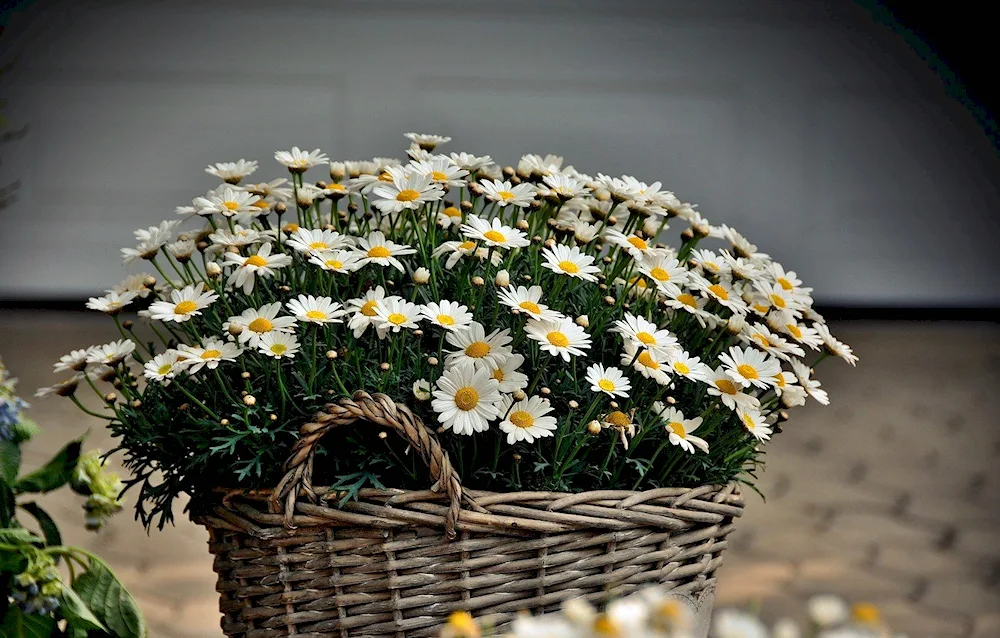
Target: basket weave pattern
<point>396,563</point>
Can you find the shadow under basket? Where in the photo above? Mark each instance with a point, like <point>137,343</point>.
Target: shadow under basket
<point>397,562</point>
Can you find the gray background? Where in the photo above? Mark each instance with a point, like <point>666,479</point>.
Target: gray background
<point>817,133</point>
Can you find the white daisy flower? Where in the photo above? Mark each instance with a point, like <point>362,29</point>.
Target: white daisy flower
<point>299,161</point>
<point>477,349</point>
<point>111,354</point>
<point>311,242</point>
<point>237,237</point>
<point>318,310</point>
<point>262,264</point>
<point>793,396</point>
<point>442,171</point>
<point>679,429</point>
<point>620,189</point>
<point>210,354</point>
<point>753,422</point>
<point>649,364</point>
<point>528,300</point>
<point>63,388</point>
<point>835,346</point>
<point>508,376</point>
<point>182,249</point>
<point>801,333</point>
<point>338,261</point>
<point>449,216</point>
<point>232,172</point>
<point>741,245</point>
<point>664,270</point>
<point>634,245</point>
<point>709,263</point>
<point>163,367</point>
<point>769,342</point>
<point>76,361</point>
<point>376,249</point>
<point>623,424</point>
<point>526,421</point>
<point>782,381</point>
<point>646,334</point>
<point>135,284</point>
<point>560,337</point>
<point>569,260</point>
<point>721,384</point>
<point>364,310</point>
<point>422,390</point>
<point>419,154</point>
<point>111,303</point>
<point>721,292</point>
<point>466,399</point>
<point>470,162</point>
<point>447,314</point>
<point>395,314</point>
<point>680,299</point>
<point>253,323</point>
<point>532,165</point>
<point>275,190</point>
<point>812,387</point>
<point>426,141</point>
<point>306,195</point>
<point>683,364</point>
<point>494,233</point>
<point>278,345</point>
<point>407,190</point>
<point>565,187</point>
<point>779,297</point>
<point>184,304</point>
<point>611,380</point>
<point>749,367</point>
<point>228,202</point>
<point>503,193</point>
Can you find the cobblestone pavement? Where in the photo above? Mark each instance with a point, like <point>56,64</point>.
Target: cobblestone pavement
<point>890,495</point>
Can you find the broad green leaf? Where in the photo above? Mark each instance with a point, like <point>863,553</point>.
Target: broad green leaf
<point>7,504</point>
<point>110,602</point>
<point>53,474</point>
<point>10,461</point>
<point>12,561</point>
<point>18,536</point>
<point>17,624</point>
<point>49,528</point>
<point>77,613</point>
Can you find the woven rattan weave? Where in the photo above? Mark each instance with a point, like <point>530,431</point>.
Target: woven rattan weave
<point>396,563</point>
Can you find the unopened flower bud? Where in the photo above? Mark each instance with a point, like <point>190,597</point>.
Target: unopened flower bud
<point>385,366</point>
<point>503,279</point>
<point>519,395</point>
<point>280,208</point>
<point>516,457</point>
<point>545,391</point>
<point>224,422</point>
<point>478,281</point>
<point>383,435</point>
<point>137,403</point>
<point>421,276</point>
<point>432,361</point>
<point>687,234</point>
<point>609,300</point>
<point>213,270</point>
<point>127,324</point>
<point>594,427</point>
<point>583,321</point>
<point>245,375</point>
<point>614,405</point>
<point>250,399</point>
<point>466,206</point>
<point>331,354</point>
<point>110,397</point>
<point>522,224</point>
<point>235,329</point>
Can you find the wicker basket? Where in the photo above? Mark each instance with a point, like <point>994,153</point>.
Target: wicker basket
<point>396,563</point>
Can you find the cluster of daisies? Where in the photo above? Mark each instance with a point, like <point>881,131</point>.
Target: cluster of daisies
<point>655,613</point>
<point>531,309</point>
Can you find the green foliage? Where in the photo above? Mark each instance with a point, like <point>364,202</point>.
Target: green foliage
<point>53,474</point>
<point>103,594</point>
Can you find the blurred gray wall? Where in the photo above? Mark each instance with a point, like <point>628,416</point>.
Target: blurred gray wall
<point>818,134</point>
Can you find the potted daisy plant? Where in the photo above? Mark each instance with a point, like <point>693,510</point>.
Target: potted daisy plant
<point>582,400</point>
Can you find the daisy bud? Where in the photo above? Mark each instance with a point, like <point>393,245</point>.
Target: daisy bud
<point>202,246</point>
<point>184,407</point>
<point>235,329</point>
<point>285,288</point>
<point>545,391</point>
<point>475,189</point>
<point>515,180</point>
<point>390,283</point>
<point>250,399</point>
<point>110,397</point>
<point>330,392</point>
<point>137,403</point>
<point>687,234</point>
<point>127,324</point>
<point>594,427</point>
<point>418,333</point>
<point>671,401</point>
<point>432,361</point>
<point>627,306</point>
<point>245,375</point>
<point>352,208</point>
<point>233,249</point>
<point>612,220</point>
<point>331,354</point>
<point>502,279</point>
<point>573,405</point>
<point>149,282</point>
<point>421,276</point>
<point>422,390</point>
<point>522,224</point>
<point>526,277</point>
<point>508,172</point>
<point>519,395</point>
<point>117,383</point>
<point>213,270</point>
<point>583,321</point>
<point>280,208</point>
<point>736,324</point>
<point>478,281</point>
<point>383,435</point>
<point>614,405</point>
<point>609,300</point>
<point>466,206</point>
<point>385,366</point>
<point>535,204</point>
<point>607,260</point>
<point>550,242</point>
<point>516,457</point>
<point>224,422</point>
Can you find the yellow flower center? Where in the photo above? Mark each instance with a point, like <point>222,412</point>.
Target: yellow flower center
<point>780,380</point>
<point>279,348</point>
<point>335,187</point>
<point>397,318</point>
<point>726,386</point>
<point>761,308</point>
<point>185,307</point>
<point>638,243</point>
<point>522,419</point>
<point>618,419</point>
<point>255,260</point>
<point>318,315</point>
<point>477,349</point>
<point>762,340</point>
<point>747,371</point>
<point>748,422</point>
<point>164,369</point>
<point>784,283</point>
<point>795,330</point>
<point>231,205</point>
<point>687,300</point>
<point>719,291</point>
<point>290,227</point>
<point>659,274</point>
<point>711,265</point>
<point>260,325</point>
<point>462,622</point>
<point>670,610</point>
<point>678,429</point>
<point>438,176</point>
<point>866,613</point>
<point>558,339</point>
<point>530,306</point>
<point>260,203</point>
<point>606,385</point>
<point>682,367</point>
<point>319,245</point>
<point>604,626</point>
<point>494,235</point>
<point>368,309</point>
<point>466,398</point>
<point>568,266</point>
<point>211,354</point>
<point>467,245</point>
<point>498,374</point>
<point>639,282</point>
<point>778,301</point>
<point>446,320</point>
<point>646,338</point>
<point>648,361</point>
<point>451,211</point>
<point>407,195</point>
<point>333,263</point>
<point>379,252</point>
<point>385,177</point>
<point>505,195</point>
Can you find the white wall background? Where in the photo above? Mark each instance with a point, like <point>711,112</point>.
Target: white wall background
<point>818,134</point>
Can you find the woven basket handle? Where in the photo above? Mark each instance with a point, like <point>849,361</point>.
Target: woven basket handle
<point>381,410</point>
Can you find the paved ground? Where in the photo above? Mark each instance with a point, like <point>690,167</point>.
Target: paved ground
<point>890,495</point>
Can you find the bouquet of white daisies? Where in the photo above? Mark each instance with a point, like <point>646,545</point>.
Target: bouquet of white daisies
<point>530,314</point>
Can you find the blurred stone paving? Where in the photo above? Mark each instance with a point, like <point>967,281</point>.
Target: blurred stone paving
<point>890,495</point>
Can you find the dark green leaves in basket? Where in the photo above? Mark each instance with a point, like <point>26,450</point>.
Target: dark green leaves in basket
<point>53,474</point>
<point>17,624</point>
<point>109,601</point>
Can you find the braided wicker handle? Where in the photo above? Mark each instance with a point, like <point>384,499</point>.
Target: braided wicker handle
<point>381,410</point>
